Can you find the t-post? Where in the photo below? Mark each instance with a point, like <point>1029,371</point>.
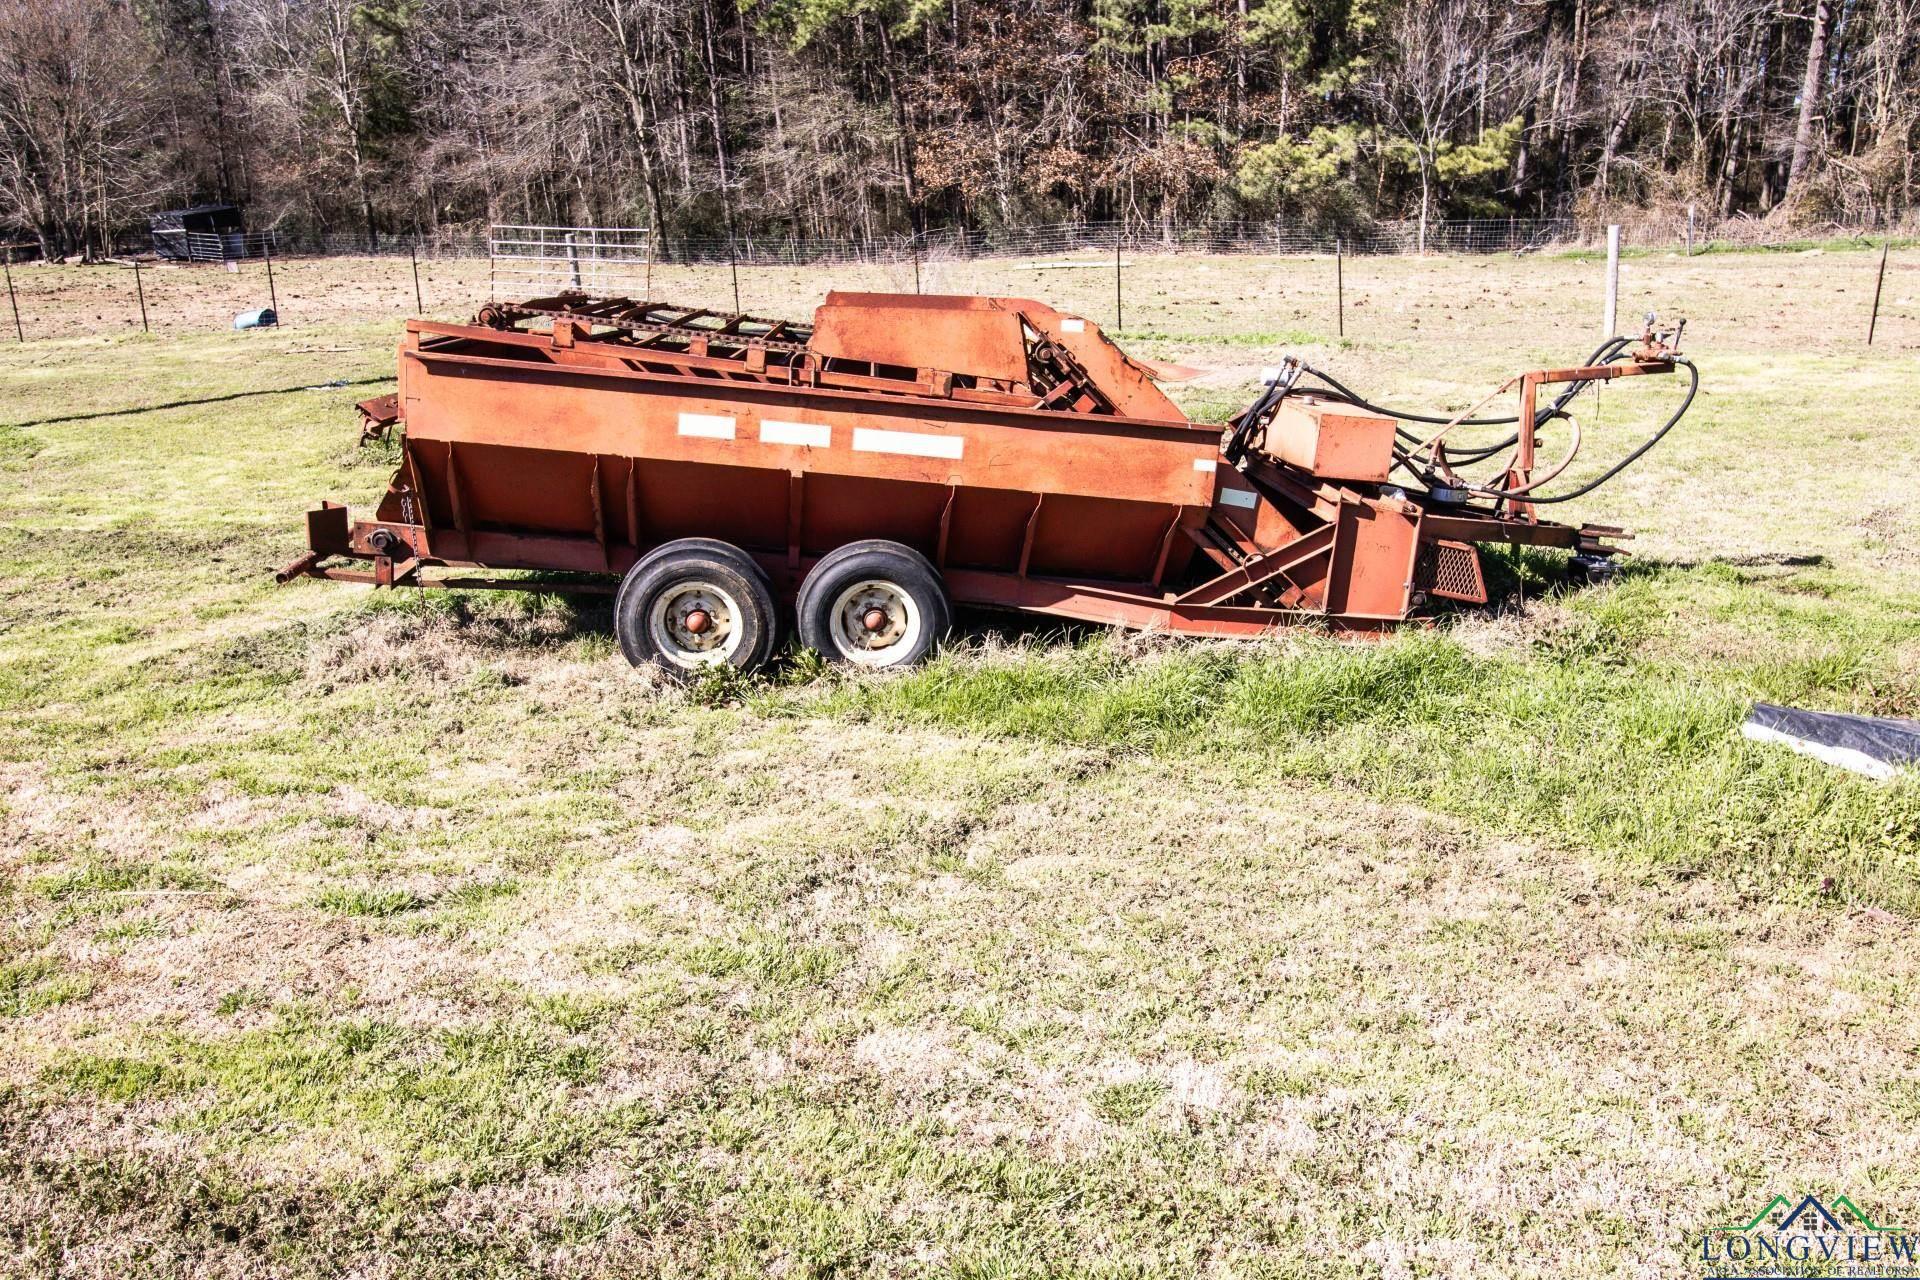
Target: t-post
<point>1339,289</point>
<point>6,262</point>
<point>1873,317</point>
<point>273,295</point>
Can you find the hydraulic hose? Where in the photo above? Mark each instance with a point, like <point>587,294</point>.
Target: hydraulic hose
<point>1606,353</point>
<point>1275,392</point>
<point>1693,386</point>
<point>1673,419</point>
<point>1602,354</point>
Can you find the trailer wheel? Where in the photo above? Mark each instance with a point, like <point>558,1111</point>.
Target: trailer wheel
<point>694,608</point>
<point>713,547</point>
<point>873,604</point>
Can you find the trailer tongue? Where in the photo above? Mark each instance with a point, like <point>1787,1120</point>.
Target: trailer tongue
<point>906,452</point>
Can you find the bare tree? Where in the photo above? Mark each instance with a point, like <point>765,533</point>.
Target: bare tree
<point>1810,87</point>
<point>320,69</point>
<point>866,118</point>
<point>1709,81</point>
<point>1447,58</point>
<point>79,156</point>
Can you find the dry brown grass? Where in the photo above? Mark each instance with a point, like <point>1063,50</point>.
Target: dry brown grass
<point>1513,1061</point>
<point>371,936</point>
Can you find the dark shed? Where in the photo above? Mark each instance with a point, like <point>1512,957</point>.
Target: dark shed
<point>203,233</point>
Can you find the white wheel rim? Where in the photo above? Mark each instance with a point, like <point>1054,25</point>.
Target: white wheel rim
<point>679,643</point>
<point>893,641</point>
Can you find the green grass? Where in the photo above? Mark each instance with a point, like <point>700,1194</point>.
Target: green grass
<point>347,930</point>
<point>28,986</point>
<point>368,902</point>
<point>1594,737</point>
<point>461,1106</point>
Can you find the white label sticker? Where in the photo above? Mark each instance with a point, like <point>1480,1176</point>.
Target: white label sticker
<point>917,444</point>
<point>1073,324</point>
<point>815,435</point>
<point>1204,464</point>
<point>1240,498</point>
<point>712,426</point>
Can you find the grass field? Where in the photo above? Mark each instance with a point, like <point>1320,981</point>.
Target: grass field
<point>387,935</point>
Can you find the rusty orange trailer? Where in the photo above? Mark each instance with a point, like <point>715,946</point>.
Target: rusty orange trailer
<point>901,454</point>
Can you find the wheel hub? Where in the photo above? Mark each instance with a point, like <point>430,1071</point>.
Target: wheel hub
<point>695,623</point>
<point>874,618</point>
<point>875,622</point>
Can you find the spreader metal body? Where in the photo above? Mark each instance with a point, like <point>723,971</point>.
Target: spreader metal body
<point>1033,463</point>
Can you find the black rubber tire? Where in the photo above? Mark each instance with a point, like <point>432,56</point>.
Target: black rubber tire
<point>658,575</point>
<point>713,546</point>
<point>685,546</point>
<point>875,559</point>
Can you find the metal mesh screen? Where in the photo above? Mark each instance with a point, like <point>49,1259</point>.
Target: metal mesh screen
<point>1451,571</point>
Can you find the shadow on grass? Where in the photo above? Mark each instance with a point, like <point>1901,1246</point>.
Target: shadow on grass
<point>1516,578</point>
<point>1516,574</point>
<point>1760,560</point>
<point>1535,574</point>
<point>188,404</point>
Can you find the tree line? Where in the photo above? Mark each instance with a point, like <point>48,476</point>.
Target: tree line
<point>870,118</point>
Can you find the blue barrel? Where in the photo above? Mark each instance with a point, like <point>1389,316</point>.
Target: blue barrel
<point>264,318</point>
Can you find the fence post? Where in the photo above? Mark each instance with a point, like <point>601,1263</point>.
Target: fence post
<point>1339,289</point>
<point>1613,281</point>
<point>6,262</point>
<point>915,242</point>
<point>140,291</point>
<point>413,252</point>
<point>1119,309</point>
<point>1874,318</point>
<point>1689,233</point>
<point>573,260</point>
<point>273,295</point>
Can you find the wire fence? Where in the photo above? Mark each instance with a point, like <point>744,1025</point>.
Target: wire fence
<point>1124,275</point>
<point>631,247</point>
<point>177,245</point>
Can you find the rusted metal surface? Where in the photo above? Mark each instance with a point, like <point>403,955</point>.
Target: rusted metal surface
<point>377,416</point>
<point>1033,463</point>
<point>1332,440</point>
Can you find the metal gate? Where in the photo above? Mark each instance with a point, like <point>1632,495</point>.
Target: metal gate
<point>539,262</point>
